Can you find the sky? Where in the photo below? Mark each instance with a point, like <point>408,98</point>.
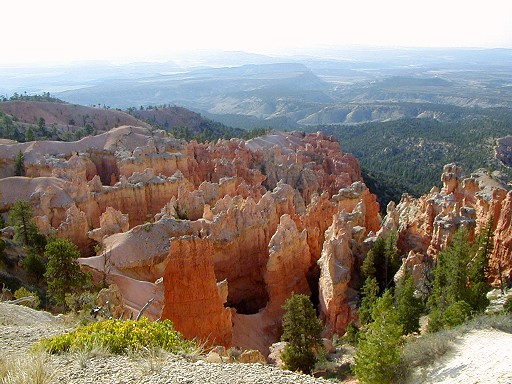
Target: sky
<point>62,31</point>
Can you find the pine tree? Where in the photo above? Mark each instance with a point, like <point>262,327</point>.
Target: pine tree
<point>302,332</point>
<point>450,273</point>
<point>2,222</point>
<point>63,272</point>
<point>29,135</point>
<point>479,268</point>
<point>370,293</point>
<point>34,265</point>
<point>460,279</point>
<point>408,306</point>
<point>378,354</point>
<point>19,167</point>
<point>21,218</point>
<point>382,261</point>
<point>392,258</point>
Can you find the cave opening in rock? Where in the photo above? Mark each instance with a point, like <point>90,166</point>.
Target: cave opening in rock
<point>313,278</point>
<point>249,299</point>
<point>106,166</point>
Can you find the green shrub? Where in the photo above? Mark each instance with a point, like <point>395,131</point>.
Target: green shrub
<point>24,292</point>
<point>121,336</point>
<point>80,301</point>
<point>457,313</point>
<point>507,306</point>
<point>301,331</point>
<point>34,265</point>
<point>435,321</point>
<point>351,334</point>
<point>454,315</point>
<point>2,249</point>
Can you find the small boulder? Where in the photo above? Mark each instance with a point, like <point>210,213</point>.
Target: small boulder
<point>214,357</point>
<point>276,350</point>
<point>252,356</point>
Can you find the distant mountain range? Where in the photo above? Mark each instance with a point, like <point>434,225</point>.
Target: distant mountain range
<point>248,90</point>
<point>403,112</point>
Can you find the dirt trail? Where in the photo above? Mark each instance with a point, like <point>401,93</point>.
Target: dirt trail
<point>483,356</point>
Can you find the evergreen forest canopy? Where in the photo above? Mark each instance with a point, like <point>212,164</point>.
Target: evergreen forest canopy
<point>408,155</point>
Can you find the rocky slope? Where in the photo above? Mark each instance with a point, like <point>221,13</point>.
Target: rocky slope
<point>65,114</point>
<point>481,356</point>
<point>218,235</point>
<point>21,327</point>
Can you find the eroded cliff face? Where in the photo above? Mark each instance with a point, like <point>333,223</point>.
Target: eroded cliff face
<point>218,235</point>
<point>501,260</point>
<point>426,225</point>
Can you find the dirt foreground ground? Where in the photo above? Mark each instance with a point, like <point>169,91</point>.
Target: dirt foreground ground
<point>483,356</point>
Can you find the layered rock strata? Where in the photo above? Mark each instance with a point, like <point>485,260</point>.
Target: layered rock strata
<point>218,236</point>
<point>426,225</point>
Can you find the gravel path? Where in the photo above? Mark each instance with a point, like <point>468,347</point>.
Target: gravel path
<point>482,356</point>
<point>21,327</point>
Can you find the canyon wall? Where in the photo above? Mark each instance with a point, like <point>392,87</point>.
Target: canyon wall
<point>217,235</point>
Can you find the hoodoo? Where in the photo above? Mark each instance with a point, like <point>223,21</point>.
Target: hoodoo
<point>218,235</point>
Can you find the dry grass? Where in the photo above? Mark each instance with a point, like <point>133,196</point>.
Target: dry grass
<point>32,368</point>
<point>150,359</point>
<point>83,355</point>
<point>198,350</point>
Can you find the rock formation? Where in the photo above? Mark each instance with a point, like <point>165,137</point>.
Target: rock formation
<point>501,260</point>
<point>336,266</point>
<point>218,236</point>
<point>426,225</point>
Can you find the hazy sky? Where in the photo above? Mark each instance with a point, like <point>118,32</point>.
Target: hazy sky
<point>66,30</point>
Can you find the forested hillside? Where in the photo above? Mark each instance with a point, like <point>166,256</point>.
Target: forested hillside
<point>184,124</point>
<point>408,155</point>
